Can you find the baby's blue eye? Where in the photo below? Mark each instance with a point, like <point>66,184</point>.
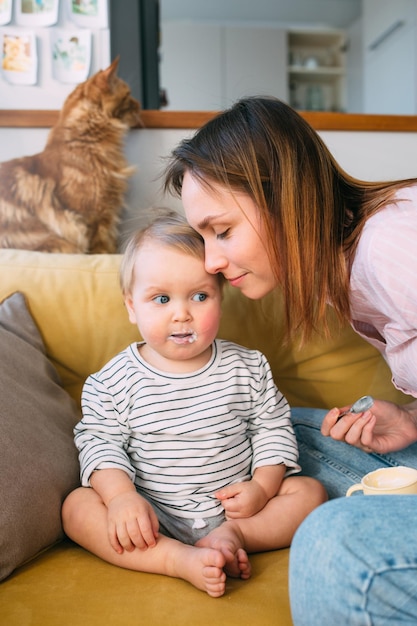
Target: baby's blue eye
<point>161,299</point>
<point>199,297</point>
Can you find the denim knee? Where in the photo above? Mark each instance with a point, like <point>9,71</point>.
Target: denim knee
<point>348,560</point>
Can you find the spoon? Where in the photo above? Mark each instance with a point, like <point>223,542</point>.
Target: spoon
<point>363,404</point>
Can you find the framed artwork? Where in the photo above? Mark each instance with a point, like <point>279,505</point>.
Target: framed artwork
<point>19,57</point>
<point>89,13</point>
<point>71,55</point>
<point>5,11</point>
<point>36,12</point>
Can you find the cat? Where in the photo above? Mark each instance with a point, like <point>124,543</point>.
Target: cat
<point>69,197</point>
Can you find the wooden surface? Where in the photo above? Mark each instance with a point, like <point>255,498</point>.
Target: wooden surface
<point>195,119</point>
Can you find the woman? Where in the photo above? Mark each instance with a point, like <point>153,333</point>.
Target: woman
<point>276,210</point>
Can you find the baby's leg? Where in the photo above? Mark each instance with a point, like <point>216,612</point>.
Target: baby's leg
<point>85,522</point>
<point>270,529</point>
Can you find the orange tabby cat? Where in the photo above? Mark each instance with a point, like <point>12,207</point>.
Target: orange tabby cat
<point>68,198</point>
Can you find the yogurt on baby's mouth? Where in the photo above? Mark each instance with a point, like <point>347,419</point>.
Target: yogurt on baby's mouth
<point>185,337</point>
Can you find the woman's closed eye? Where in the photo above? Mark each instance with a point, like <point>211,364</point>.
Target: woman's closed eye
<point>223,234</point>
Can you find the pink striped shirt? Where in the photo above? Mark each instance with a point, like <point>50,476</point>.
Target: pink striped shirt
<point>384,287</point>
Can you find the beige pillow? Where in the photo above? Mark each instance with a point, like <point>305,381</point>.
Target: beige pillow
<point>38,459</point>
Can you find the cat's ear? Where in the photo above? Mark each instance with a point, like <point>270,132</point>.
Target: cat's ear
<point>106,77</point>
<point>111,71</point>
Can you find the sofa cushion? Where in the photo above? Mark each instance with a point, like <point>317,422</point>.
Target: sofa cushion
<point>77,305</point>
<point>68,586</point>
<point>38,460</point>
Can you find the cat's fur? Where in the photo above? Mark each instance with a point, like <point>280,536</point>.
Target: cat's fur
<point>69,197</point>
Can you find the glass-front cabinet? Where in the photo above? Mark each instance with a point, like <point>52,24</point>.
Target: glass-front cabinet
<point>316,70</point>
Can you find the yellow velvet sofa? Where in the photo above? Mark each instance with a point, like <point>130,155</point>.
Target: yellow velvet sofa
<point>76,304</point>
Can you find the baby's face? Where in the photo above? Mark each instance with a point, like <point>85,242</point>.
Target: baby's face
<point>176,305</point>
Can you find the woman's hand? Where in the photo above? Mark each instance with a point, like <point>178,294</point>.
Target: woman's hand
<point>385,427</point>
<point>132,522</point>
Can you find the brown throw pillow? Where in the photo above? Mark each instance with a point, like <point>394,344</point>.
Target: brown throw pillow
<point>38,459</point>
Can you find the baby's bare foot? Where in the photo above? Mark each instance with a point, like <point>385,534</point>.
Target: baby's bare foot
<point>229,541</point>
<point>243,564</point>
<point>203,568</point>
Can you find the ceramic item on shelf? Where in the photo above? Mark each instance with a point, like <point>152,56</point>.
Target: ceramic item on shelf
<point>315,98</point>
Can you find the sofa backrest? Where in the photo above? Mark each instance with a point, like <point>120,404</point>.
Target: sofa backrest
<point>77,304</point>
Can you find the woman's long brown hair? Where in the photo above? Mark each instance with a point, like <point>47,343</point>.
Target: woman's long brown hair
<point>313,211</point>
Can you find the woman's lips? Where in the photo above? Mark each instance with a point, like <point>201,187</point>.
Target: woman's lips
<point>235,282</point>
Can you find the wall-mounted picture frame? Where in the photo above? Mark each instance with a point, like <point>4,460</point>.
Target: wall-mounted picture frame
<point>34,13</point>
<point>71,55</point>
<point>89,13</point>
<point>5,12</point>
<point>19,64</point>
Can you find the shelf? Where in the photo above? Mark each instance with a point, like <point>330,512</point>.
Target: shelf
<point>301,70</point>
<point>167,120</point>
<point>316,71</point>
<point>316,38</point>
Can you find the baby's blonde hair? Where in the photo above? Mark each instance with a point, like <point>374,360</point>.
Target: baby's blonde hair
<point>169,228</point>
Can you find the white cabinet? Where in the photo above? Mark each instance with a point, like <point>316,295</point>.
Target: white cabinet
<point>208,66</point>
<point>191,58</point>
<point>390,56</point>
<point>255,61</point>
<point>316,71</point>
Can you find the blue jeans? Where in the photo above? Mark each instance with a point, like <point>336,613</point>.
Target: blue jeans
<point>334,463</point>
<point>353,560</point>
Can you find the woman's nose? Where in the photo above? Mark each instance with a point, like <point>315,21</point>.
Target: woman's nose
<point>215,262</point>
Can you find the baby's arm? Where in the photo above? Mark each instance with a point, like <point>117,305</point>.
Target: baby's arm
<point>273,444</point>
<point>132,522</point>
<point>249,497</point>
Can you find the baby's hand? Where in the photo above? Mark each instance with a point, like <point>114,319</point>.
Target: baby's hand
<point>132,522</point>
<point>242,499</point>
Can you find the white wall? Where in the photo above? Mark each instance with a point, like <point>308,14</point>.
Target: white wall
<point>366,155</point>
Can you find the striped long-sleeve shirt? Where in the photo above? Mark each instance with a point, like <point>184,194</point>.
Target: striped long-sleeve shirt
<point>181,437</point>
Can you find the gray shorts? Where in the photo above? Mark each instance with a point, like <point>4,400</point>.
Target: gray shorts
<point>186,530</point>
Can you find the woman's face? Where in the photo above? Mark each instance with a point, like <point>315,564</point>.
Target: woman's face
<point>234,235</point>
